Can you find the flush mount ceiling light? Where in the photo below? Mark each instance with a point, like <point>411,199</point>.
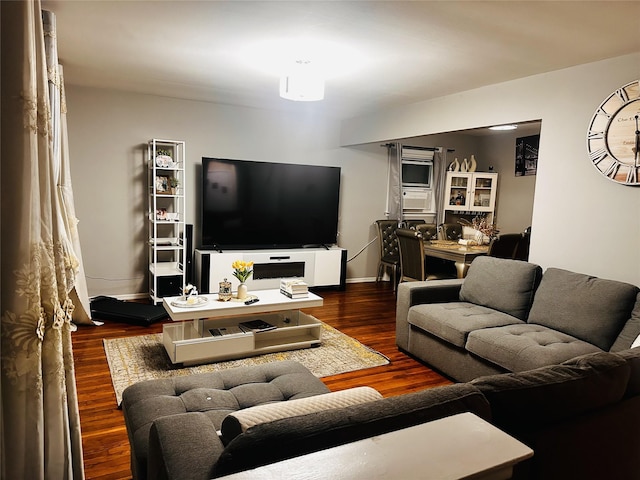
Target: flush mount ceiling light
<point>303,83</point>
<point>504,127</point>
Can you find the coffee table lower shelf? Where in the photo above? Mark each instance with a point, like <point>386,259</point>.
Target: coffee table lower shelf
<point>192,342</point>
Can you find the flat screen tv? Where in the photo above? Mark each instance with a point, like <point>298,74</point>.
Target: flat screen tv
<point>252,205</point>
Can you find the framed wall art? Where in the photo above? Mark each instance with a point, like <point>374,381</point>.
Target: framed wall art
<point>527,155</point>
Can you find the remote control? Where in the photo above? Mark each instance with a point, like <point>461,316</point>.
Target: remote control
<point>253,300</point>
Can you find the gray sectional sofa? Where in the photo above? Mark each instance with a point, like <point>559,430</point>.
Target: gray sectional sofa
<point>547,359</point>
<point>506,316</point>
<point>581,418</point>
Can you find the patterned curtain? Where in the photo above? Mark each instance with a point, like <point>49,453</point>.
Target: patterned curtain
<point>40,420</point>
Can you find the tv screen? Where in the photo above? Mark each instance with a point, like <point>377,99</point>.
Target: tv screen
<point>250,205</point>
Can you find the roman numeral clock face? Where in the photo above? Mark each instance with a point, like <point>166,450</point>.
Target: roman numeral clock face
<point>613,139</point>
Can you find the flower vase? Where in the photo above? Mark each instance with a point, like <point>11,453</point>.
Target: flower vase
<point>472,164</point>
<point>242,291</point>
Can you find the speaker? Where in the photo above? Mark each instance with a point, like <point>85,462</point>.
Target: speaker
<point>188,253</point>
<point>205,268</point>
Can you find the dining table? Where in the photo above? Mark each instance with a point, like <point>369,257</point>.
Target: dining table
<point>461,255</point>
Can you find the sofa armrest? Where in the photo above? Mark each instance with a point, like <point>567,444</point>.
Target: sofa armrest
<point>417,293</point>
<point>183,447</point>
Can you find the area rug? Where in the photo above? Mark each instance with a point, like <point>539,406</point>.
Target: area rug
<point>143,357</point>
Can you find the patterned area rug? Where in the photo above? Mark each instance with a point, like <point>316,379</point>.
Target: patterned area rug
<point>143,357</point>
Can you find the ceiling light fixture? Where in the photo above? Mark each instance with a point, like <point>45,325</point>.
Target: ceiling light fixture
<point>504,127</point>
<point>303,83</point>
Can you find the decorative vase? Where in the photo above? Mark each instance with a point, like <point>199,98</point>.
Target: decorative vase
<point>455,166</point>
<point>473,164</point>
<point>479,237</point>
<point>242,291</point>
<point>464,167</point>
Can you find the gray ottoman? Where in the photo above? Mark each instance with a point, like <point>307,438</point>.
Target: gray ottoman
<point>215,394</point>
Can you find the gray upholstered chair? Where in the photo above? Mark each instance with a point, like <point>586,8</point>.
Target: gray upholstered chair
<point>389,252</point>
<point>450,231</point>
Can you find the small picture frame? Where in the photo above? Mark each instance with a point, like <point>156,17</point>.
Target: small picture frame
<point>162,184</point>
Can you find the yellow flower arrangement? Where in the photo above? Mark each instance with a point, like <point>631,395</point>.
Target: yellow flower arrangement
<point>242,270</point>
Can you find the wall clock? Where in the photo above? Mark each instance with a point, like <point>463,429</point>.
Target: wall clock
<point>613,138</point>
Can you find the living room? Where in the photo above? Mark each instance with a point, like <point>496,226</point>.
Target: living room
<point>571,219</point>
<point>581,221</point>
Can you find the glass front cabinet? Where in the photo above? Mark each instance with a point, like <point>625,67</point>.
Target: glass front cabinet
<point>471,192</point>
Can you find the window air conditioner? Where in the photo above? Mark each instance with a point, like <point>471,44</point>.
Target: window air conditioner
<point>417,199</point>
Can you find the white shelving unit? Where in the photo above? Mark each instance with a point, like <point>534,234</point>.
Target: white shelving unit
<point>166,217</point>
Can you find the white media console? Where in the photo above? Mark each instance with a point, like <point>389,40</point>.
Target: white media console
<point>318,267</point>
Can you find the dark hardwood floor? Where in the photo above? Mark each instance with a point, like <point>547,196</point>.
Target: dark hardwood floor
<point>365,311</point>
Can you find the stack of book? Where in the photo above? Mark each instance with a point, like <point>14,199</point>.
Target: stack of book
<point>294,288</point>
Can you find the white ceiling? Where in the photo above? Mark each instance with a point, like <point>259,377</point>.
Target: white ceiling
<point>381,54</point>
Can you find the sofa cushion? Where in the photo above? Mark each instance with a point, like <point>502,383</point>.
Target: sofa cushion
<point>589,308</point>
<point>631,330</point>
<point>238,422</point>
<point>525,346</point>
<point>294,436</point>
<point>453,321</point>
<point>547,395</point>
<point>504,285</point>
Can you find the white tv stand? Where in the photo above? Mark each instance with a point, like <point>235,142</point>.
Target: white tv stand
<point>318,267</point>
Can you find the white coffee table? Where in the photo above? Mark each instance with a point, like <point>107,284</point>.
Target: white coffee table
<point>196,338</point>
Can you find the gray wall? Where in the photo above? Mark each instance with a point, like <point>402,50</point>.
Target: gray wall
<point>108,131</point>
<point>581,221</point>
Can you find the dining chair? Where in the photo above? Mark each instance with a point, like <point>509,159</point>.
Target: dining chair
<point>429,231</point>
<point>389,251</point>
<point>413,223</point>
<point>505,245</point>
<point>522,250</point>
<point>411,244</point>
<point>414,264</point>
<point>450,231</point>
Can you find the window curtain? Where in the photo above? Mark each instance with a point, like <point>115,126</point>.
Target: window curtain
<point>394,189</point>
<point>439,175</point>
<point>40,421</point>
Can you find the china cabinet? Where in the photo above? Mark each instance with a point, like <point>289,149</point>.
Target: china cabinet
<point>471,193</point>
<point>166,217</point>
